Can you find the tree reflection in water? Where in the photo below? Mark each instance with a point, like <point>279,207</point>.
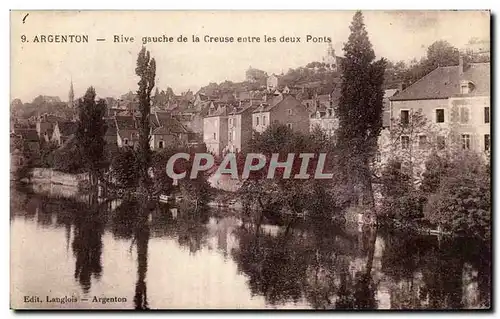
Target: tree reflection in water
<point>87,244</point>
<point>316,265</point>
<point>142,240</point>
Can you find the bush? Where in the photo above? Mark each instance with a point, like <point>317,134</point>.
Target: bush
<point>68,159</point>
<point>124,168</point>
<point>401,201</point>
<point>462,202</point>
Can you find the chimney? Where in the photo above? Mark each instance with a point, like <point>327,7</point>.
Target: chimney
<point>460,65</point>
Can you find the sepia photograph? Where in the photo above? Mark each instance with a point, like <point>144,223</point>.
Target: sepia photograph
<point>241,160</point>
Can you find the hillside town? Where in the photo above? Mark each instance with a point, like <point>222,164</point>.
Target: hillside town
<point>191,191</point>
<point>454,99</point>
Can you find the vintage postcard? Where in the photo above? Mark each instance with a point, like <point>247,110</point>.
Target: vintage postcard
<point>324,160</point>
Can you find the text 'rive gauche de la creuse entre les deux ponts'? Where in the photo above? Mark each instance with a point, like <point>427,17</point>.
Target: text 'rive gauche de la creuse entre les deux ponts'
<point>222,39</point>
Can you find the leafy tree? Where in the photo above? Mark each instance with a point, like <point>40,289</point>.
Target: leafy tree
<point>411,141</point>
<point>256,75</point>
<point>68,159</point>
<point>462,203</point>
<point>360,107</point>
<point>47,150</point>
<point>146,70</point>
<point>124,168</point>
<point>400,199</point>
<point>90,131</point>
<point>435,168</point>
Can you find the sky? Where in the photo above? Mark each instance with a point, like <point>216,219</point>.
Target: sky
<point>48,68</point>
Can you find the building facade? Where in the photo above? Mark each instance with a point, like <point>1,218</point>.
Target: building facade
<point>215,130</point>
<point>282,109</point>
<point>448,109</point>
<point>240,126</point>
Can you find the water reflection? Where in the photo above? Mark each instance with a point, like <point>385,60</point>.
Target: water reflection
<point>142,240</point>
<point>87,246</point>
<point>262,266</point>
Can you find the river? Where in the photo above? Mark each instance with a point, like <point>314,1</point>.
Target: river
<point>176,259</point>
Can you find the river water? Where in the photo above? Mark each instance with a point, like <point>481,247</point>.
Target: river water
<point>176,258</point>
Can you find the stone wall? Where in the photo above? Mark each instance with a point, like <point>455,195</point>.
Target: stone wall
<point>48,175</point>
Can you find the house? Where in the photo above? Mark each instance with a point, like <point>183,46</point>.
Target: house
<point>63,130</point>
<point>28,138</point>
<point>215,129</point>
<point>455,100</point>
<point>45,125</point>
<point>386,116</point>
<point>331,60</point>
<point>166,130</point>
<point>324,119</point>
<point>240,126</point>
<point>193,122</point>
<point>323,115</point>
<point>272,82</point>
<point>283,109</point>
<point>126,129</point>
<point>111,133</point>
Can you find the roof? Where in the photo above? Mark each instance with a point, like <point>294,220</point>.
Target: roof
<point>110,126</point>
<point>67,128</point>
<point>444,82</point>
<point>276,101</point>
<point>125,122</point>
<point>389,93</point>
<point>27,134</point>
<point>50,118</point>
<point>219,111</point>
<point>173,125</point>
<point>246,106</point>
<point>270,103</point>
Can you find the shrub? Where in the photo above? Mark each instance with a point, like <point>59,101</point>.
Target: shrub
<point>462,202</point>
<point>401,201</point>
<point>124,168</point>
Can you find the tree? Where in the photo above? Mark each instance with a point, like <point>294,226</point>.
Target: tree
<point>462,202</point>
<point>146,70</point>
<point>90,131</point>
<point>255,75</point>
<point>124,168</point>
<point>360,107</point>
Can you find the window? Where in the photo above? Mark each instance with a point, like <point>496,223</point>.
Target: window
<point>230,121</point>
<point>125,141</point>
<point>263,120</point>
<point>160,144</point>
<point>422,141</point>
<point>439,115</point>
<point>464,115</point>
<point>290,112</point>
<point>441,142</point>
<point>229,135</point>
<point>257,120</point>
<point>289,125</point>
<point>486,115</point>
<point>487,142</point>
<point>405,142</point>
<point>405,117</point>
<point>466,141</point>
<point>464,88</point>
<point>378,157</point>
<point>215,136</point>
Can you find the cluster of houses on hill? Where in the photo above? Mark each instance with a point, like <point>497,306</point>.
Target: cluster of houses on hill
<point>452,98</point>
